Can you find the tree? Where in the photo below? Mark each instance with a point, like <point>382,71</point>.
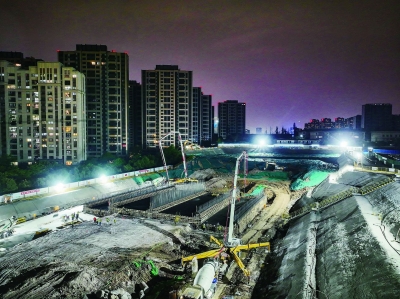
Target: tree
<point>172,155</point>
<point>107,157</point>
<point>24,185</point>
<point>7,185</point>
<point>6,162</point>
<point>41,182</point>
<point>127,168</point>
<point>118,163</point>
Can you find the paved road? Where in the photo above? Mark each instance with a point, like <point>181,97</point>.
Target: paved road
<point>64,199</point>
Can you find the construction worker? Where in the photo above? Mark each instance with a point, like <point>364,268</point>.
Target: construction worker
<point>94,220</point>
<point>77,216</point>
<point>99,221</point>
<point>108,221</point>
<point>115,221</point>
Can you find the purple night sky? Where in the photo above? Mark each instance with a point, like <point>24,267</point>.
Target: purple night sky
<point>289,61</point>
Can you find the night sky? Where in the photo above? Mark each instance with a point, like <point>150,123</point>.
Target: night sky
<point>289,61</point>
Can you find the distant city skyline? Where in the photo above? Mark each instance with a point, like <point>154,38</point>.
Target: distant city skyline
<point>288,62</point>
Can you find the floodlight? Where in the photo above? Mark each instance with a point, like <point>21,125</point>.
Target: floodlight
<point>103,178</point>
<point>60,186</point>
<point>261,142</point>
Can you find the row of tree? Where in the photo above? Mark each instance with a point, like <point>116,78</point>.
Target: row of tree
<point>48,173</point>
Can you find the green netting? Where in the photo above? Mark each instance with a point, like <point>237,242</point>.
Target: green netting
<point>138,180</point>
<point>225,165</point>
<point>310,179</point>
<point>147,177</point>
<point>176,173</point>
<point>258,190</point>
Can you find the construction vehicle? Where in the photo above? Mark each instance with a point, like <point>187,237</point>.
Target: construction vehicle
<point>182,180</point>
<point>185,180</point>
<point>188,145</point>
<point>231,246</point>
<point>204,283</point>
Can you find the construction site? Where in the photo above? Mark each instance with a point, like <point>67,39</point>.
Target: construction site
<point>228,223</point>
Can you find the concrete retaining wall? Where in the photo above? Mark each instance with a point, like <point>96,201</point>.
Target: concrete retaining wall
<point>251,214</point>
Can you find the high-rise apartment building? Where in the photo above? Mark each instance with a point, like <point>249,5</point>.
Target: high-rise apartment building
<point>202,117</point>
<point>376,117</point>
<point>107,76</point>
<point>167,102</point>
<point>197,95</point>
<point>206,120</point>
<point>135,114</point>
<point>232,119</point>
<point>42,112</point>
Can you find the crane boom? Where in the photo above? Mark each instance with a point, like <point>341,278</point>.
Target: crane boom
<point>230,242</point>
<point>231,246</point>
<point>183,154</point>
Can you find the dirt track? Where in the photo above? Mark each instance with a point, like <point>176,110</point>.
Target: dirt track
<point>268,216</point>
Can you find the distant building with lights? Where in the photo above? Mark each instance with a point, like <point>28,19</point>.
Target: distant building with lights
<point>167,101</point>
<point>353,122</point>
<point>232,119</point>
<point>107,76</point>
<point>42,113</point>
<point>339,123</point>
<point>258,130</point>
<point>312,124</point>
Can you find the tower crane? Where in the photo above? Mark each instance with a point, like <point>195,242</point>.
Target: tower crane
<point>231,246</point>
<point>183,154</point>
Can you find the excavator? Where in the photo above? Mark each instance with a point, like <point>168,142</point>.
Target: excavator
<point>186,179</point>
<point>231,246</point>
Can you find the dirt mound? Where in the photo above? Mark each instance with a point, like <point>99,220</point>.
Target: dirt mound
<point>203,174</point>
